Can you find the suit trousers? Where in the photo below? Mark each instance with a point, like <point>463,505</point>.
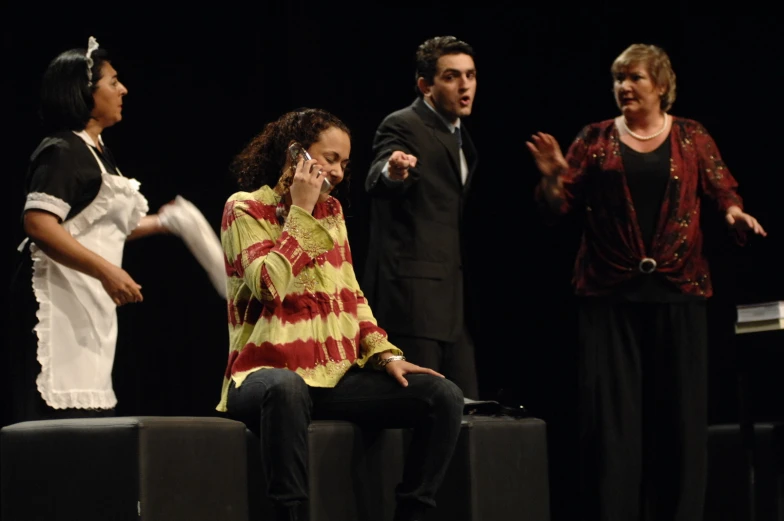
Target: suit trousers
<point>455,360</point>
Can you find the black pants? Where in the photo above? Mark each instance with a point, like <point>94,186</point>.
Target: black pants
<point>643,410</point>
<point>278,405</point>
<point>455,360</point>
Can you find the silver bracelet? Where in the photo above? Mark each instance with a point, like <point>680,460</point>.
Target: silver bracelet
<point>382,362</point>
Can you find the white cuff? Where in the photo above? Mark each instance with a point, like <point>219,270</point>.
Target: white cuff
<point>49,203</point>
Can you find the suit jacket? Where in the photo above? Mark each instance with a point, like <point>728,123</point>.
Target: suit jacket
<point>414,269</point>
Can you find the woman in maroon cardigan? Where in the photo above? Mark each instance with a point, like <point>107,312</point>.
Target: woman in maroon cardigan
<point>640,179</point>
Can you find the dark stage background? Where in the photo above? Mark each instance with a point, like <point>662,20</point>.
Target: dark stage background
<point>202,83</point>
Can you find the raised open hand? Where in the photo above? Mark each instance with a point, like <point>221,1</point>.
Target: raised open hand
<point>547,154</point>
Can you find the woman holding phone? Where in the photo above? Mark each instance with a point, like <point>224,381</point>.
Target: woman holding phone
<point>303,342</point>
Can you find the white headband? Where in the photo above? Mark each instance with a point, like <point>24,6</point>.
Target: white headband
<point>92,45</point>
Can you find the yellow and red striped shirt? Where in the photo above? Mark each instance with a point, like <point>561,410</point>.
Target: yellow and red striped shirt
<point>293,297</point>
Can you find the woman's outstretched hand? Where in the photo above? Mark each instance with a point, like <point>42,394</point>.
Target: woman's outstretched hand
<point>740,220</point>
<point>547,154</point>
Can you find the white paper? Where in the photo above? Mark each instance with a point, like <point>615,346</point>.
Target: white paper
<point>184,220</point>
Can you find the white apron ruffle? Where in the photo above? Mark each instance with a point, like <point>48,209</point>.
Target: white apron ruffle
<point>77,319</point>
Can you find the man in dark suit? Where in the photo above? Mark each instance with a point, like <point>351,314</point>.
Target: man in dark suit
<point>423,163</point>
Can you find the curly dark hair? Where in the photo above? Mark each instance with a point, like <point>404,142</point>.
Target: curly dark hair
<point>428,53</point>
<point>262,160</point>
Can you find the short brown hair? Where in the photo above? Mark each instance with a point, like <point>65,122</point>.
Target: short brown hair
<point>658,64</point>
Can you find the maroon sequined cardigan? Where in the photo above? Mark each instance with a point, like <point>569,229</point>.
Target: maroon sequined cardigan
<point>612,246</point>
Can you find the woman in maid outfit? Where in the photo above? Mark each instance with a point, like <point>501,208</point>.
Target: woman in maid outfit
<point>78,213</point>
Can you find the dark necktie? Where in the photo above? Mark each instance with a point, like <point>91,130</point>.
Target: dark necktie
<point>458,137</point>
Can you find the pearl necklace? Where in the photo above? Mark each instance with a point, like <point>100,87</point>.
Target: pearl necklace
<point>644,138</point>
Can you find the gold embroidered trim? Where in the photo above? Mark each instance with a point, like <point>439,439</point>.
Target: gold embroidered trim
<point>307,282</point>
<point>375,340</point>
<point>329,372</point>
<point>309,235</point>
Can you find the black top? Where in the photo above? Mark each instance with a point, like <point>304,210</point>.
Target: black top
<point>63,168</point>
<point>647,175</point>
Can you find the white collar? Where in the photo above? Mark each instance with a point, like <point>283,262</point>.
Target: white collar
<point>87,139</point>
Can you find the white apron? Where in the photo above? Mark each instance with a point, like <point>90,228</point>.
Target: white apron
<point>77,320</point>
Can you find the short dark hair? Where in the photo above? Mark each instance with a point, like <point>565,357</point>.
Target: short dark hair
<point>431,50</point>
<point>66,95</point>
<point>262,160</point>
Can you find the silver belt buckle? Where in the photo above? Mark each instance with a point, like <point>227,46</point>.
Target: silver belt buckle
<point>647,265</point>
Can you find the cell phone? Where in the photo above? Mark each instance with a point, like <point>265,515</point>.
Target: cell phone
<point>296,150</point>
